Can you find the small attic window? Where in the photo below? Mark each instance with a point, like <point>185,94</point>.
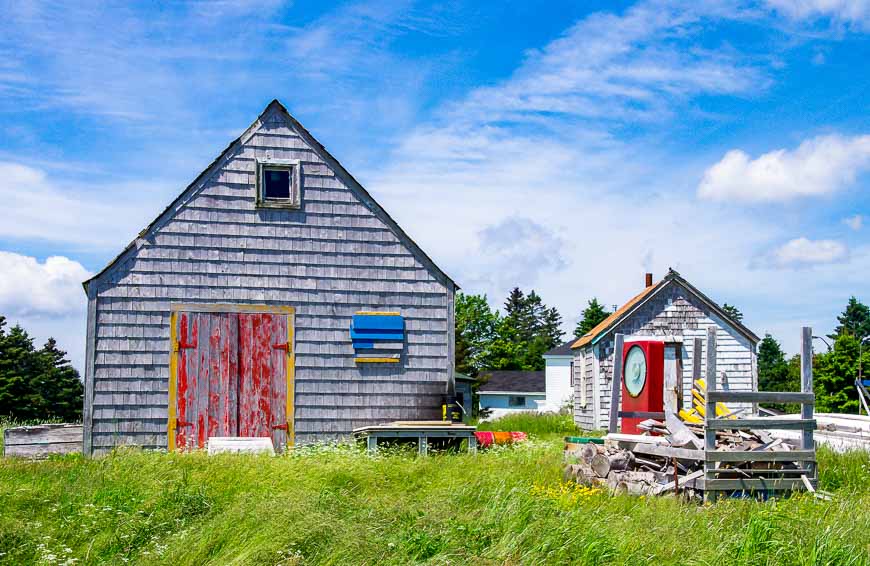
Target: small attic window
<point>278,184</point>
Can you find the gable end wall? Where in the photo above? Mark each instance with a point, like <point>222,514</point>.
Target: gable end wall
<point>676,312</point>
<point>333,257</point>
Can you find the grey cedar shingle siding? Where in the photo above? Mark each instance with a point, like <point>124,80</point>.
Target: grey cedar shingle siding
<point>679,312</point>
<point>514,381</point>
<point>338,254</point>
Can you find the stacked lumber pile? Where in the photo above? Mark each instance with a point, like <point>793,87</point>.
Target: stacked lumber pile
<point>670,457</point>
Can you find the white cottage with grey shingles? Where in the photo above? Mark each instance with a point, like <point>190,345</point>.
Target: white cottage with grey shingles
<point>230,314</point>
<point>674,312</point>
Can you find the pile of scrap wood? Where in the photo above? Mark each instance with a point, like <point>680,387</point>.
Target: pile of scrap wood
<point>621,470</point>
<point>670,457</point>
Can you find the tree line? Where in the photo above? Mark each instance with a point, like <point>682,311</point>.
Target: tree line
<point>834,370</point>
<point>36,384</point>
<point>517,339</point>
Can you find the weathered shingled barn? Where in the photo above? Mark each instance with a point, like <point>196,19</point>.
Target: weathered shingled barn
<point>674,312</point>
<point>231,314</point>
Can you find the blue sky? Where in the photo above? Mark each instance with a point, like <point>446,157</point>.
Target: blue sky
<point>568,147</point>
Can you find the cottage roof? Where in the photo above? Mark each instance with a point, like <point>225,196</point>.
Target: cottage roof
<point>608,324</point>
<point>513,381</point>
<point>562,349</point>
<point>338,168</point>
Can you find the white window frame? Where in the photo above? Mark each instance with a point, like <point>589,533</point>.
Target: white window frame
<point>295,169</point>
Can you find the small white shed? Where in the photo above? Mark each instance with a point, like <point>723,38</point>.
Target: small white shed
<point>558,383</point>
<point>674,312</point>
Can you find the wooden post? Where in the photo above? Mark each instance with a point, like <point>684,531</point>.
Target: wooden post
<point>423,445</point>
<point>807,440</point>
<point>710,410</point>
<point>372,444</point>
<point>618,345</point>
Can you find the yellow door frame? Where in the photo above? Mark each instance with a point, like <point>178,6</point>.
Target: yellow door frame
<point>290,312</point>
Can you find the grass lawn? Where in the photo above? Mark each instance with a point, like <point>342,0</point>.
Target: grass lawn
<point>335,505</point>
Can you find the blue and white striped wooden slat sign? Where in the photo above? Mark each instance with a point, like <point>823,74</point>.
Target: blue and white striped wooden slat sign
<point>378,337</point>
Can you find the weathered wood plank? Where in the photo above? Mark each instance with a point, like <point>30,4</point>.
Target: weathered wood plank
<point>807,442</point>
<point>669,452</point>
<point>43,440</point>
<point>760,397</point>
<point>762,456</point>
<point>760,423</point>
<point>753,484</point>
<point>616,386</point>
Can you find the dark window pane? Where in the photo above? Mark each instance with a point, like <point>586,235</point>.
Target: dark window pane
<point>518,401</point>
<point>277,183</point>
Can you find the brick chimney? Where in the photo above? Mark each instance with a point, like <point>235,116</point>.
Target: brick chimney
<point>648,280</point>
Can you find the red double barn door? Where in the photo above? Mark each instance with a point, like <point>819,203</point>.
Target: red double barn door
<point>231,377</point>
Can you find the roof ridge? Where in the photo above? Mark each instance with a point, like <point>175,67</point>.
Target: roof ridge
<point>276,105</point>
<point>604,326</point>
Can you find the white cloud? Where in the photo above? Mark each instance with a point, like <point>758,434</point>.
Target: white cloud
<point>515,251</point>
<point>818,166</point>
<point>854,222</point>
<point>611,67</point>
<point>848,12</point>
<point>29,288</point>
<point>97,217</point>
<point>803,252</point>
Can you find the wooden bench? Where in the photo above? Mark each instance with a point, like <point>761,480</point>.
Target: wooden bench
<point>421,432</point>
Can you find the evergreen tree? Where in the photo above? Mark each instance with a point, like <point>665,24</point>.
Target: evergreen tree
<point>551,327</point>
<point>855,320</point>
<point>772,365</point>
<point>61,387</point>
<point>475,330</point>
<point>36,384</point>
<point>515,302</point>
<point>834,375</point>
<point>524,311</point>
<point>592,316</point>
<point>733,312</point>
<point>506,351</point>
<point>528,329</point>
<point>775,373</point>
<point>18,365</point>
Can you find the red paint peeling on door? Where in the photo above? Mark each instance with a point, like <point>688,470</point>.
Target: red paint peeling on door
<point>231,377</point>
<point>181,395</point>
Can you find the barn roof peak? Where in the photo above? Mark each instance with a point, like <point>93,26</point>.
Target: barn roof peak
<point>276,107</point>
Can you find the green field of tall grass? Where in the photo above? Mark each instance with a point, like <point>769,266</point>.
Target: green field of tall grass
<point>336,505</point>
